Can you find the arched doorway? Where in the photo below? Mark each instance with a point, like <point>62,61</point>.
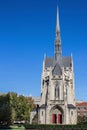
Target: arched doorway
<point>56,115</point>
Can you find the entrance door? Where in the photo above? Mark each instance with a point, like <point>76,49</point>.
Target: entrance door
<point>59,118</point>
<point>54,118</point>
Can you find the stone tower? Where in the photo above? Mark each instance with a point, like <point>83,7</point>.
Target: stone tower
<point>57,104</point>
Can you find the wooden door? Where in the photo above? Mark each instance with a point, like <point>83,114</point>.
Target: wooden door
<point>54,118</point>
<point>59,118</point>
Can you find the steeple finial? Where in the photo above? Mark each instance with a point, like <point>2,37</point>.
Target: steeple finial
<point>58,49</point>
<point>57,23</point>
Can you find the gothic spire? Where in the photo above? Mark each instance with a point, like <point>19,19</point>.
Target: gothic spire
<point>57,22</point>
<point>58,50</point>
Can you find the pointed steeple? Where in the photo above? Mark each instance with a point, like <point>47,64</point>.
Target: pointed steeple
<point>58,49</point>
<point>57,22</point>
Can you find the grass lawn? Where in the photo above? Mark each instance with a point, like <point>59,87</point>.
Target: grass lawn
<point>18,127</point>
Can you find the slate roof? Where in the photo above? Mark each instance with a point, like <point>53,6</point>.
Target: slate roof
<point>63,62</point>
<point>42,106</point>
<point>49,62</point>
<point>66,61</point>
<point>71,106</point>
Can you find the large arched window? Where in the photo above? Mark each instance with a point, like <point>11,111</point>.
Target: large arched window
<point>57,91</point>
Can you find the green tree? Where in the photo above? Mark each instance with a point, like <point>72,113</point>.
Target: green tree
<point>15,108</point>
<point>26,105</point>
<point>4,110</point>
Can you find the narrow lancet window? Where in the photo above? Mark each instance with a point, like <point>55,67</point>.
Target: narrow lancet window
<point>57,92</point>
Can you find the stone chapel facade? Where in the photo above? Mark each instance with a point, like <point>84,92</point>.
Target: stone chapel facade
<point>57,102</point>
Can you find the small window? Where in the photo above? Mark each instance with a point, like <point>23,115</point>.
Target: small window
<point>43,82</point>
<point>71,112</point>
<point>53,76</point>
<point>64,68</point>
<point>84,108</point>
<point>57,92</point>
<point>78,108</point>
<point>47,82</point>
<point>59,76</point>
<point>42,113</point>
<point>84,113</point>
<point>41,94</point>
<point>71,82</point>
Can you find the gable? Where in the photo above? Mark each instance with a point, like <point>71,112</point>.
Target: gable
<point>57,70</point>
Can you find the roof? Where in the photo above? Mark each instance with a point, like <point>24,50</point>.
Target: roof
<point>66,61</point>
<point>62,62</point>
<point>49,62</point>
<point>82,104</point>
<point>42,106</point>
<point>71,106</point>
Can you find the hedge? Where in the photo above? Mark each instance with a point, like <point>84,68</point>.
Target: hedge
<point>56,127</point>
<point>50,127</point>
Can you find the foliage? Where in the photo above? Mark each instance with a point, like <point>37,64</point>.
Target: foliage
<point>56,127</point>
<point>5,109</point>
<point>15,108</point>
<point>82,120</point>
<point>47,127</point>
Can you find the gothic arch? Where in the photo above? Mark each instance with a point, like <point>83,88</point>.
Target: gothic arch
<point>58,107</point>
<point>56,115</point>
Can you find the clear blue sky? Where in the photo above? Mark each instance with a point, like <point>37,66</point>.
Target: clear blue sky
<point>27,31</point>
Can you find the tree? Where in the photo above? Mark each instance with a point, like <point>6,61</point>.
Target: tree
<point>5,110</point>
<point>15,108</point>
<point>26,105</point>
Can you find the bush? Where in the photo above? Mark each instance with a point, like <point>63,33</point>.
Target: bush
<point>56,127</point>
